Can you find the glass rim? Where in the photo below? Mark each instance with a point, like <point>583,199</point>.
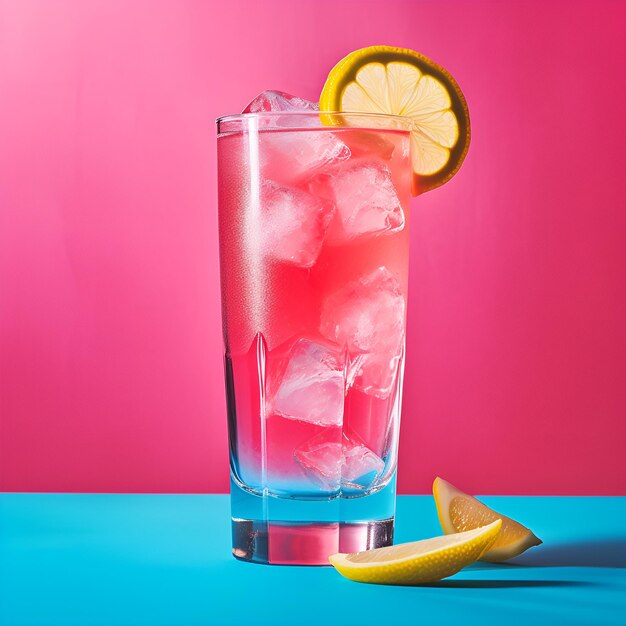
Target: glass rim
<point>240,117</point>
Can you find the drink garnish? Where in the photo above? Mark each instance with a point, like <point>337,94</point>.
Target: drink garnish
<point>402,82</point>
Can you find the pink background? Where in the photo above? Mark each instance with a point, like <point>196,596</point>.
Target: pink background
<point>110,341</point>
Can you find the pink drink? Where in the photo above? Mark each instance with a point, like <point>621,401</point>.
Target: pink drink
<point>314,241</point>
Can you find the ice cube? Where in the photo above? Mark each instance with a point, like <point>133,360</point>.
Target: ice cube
<point>366,200</point>
<point>294,223</point>
<point>321,459</point>
<point>279,102</point>
<point>295,157</point>
<point>360,467</point>
<point>312,388</point>
<point>349,464</point>
<point>367,317</point>
<point>367,144</point>
<point>374,373</point>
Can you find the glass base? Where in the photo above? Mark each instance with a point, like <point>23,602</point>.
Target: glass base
<point>301,543</point>
<point>292,531</point>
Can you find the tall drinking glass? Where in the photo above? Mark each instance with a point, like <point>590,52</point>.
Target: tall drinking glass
<point>314,250</point>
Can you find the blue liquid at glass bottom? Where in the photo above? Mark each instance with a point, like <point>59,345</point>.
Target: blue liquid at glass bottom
<point>292,531</point>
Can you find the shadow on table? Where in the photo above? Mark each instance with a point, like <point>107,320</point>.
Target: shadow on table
<point>505,584</point>
<point>601,553</point>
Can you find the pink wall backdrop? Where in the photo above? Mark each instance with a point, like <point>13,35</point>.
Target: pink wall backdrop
<point>110,341</point>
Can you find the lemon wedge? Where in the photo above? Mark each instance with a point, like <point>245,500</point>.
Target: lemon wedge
<point>459,512</point>
<point>417,562</point>
<point>402,82</point>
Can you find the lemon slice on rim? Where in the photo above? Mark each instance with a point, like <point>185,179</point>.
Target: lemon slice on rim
<point>460,512</point>
<point>398,81</point>
<point>417,562</point>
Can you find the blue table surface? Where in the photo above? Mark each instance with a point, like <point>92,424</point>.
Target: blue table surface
<point>165,559</point>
